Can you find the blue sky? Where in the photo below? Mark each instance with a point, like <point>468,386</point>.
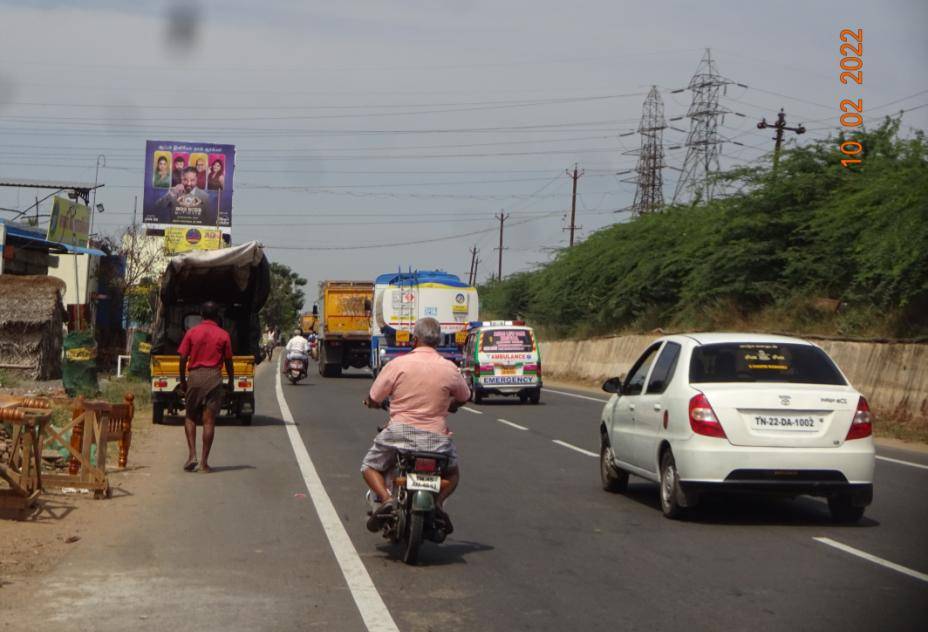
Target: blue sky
<point>364,123</point>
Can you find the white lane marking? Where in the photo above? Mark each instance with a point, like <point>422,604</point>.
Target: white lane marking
<point>369,602</point>
<point>509,423</point>
<point>873,558</point>
<point>592,399</point>
<point>909,463</point>
<point>573,447</point>
<point>472,410</point>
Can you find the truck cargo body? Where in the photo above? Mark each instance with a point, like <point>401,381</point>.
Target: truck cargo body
<point>344,325</point>
<point>400,299</point>
<point>237,279</point>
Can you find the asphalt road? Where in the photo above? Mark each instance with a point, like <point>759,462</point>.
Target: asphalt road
<point>538,545</point>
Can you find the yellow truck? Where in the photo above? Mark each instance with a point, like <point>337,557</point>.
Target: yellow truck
<point>238,280</point>
<point>344,325</point>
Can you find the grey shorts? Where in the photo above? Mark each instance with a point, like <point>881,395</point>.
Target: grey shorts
<point>382,455</point>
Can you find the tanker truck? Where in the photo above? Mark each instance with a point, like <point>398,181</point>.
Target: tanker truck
<point>401,298</point>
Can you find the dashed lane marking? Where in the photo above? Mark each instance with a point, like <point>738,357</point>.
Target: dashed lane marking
<point>514,425</point>
<point>901,462</point>
<point>592,399</point>
<point>873,558</point>
<point>370,604</point>
<point>472,410</point>
<point>575,448</point>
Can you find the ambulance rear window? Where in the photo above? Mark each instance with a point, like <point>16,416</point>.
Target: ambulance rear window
<point>506,340</point>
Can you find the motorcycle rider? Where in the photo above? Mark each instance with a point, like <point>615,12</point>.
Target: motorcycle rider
<point>420,386</point>
<point>298,348</point>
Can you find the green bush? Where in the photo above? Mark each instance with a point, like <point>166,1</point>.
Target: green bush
<point>812,229</point>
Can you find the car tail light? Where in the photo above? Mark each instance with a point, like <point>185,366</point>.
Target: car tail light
<point>702,418</point>
<point>862,425</point>
<point>425,465</point>
<point>161,383</point>
<point>244,384</point>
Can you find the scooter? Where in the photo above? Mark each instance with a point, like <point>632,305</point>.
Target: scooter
<point>296,369</point>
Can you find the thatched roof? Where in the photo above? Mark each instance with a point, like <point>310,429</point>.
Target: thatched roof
<point>29,300</point>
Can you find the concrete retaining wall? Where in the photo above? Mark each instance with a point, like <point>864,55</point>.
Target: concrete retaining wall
<point>892,376</point>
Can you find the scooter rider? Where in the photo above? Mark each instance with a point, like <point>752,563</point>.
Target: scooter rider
<point>420,386</point>
<point>298,348</point>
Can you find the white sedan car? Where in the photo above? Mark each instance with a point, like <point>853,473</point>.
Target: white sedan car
<point>741,412</point>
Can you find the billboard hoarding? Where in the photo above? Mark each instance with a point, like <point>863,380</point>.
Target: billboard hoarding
<point>178,239</point>
<point>188,183</point>
<point>70,222</point>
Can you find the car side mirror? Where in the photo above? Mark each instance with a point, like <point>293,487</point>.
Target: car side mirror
<point>613,385</point>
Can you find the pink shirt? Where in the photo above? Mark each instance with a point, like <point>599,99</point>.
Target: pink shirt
<point>420,385</point>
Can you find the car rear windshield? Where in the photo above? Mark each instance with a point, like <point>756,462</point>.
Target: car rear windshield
<point>763,362</point>
<point>506,340</point>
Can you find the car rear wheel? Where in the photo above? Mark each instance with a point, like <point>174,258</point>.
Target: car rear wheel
<point>670,488</point>
<point>614,479</point>
<point>843,510</point>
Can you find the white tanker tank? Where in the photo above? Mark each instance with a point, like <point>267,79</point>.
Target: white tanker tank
<point>402,298</point>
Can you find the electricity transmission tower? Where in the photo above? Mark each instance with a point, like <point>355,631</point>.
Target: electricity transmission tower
<point>649,195</point>
<point>703,142</point>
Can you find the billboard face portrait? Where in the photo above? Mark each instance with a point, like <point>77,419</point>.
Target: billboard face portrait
<point>199,161</point>
<point>216,179</point>
<point>161,178</point>
<point>200,190</point>
<point>178,164</point>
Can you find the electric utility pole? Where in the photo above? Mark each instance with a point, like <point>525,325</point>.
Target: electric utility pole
<point>780,126</point>
<point>573,202</point>
<point>502,217</point>
<point>473,264</point>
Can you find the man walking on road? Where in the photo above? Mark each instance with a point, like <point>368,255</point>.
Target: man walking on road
<point>421,386</point>
<point>204,349</point>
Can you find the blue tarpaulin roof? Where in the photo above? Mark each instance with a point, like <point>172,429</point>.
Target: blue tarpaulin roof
<point>37,238</point>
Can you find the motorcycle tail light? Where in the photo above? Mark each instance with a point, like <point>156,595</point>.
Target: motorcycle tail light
<point>425,465</point>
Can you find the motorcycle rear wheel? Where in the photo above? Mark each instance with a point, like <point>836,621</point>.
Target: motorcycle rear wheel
<point>414,538</point>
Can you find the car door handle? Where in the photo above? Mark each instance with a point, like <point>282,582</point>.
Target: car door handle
<point>657,407</point>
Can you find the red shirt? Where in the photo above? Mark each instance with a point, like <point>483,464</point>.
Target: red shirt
<point>206,345</point>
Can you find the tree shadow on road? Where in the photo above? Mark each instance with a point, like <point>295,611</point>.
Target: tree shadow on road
<point>748,509</point>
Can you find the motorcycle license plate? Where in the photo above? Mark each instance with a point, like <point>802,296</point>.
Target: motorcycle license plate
<point>296,365</point>
<point>424,482</point>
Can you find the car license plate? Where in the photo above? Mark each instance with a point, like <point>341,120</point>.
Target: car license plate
<point>424,482</point>
<point>788,423</point>
<point>509,370</point>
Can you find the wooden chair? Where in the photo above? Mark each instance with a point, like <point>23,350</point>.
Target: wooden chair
<point>118,420</point>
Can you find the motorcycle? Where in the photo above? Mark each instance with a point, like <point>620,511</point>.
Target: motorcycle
<point>296,369</point>
<point>415,482</point>
<point>417,478</point>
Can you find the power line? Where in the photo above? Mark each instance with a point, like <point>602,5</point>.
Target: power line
<point>455,107</point>
<point>397,244</point>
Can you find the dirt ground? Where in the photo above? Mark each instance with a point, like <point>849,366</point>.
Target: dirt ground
<point>62,522</point>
